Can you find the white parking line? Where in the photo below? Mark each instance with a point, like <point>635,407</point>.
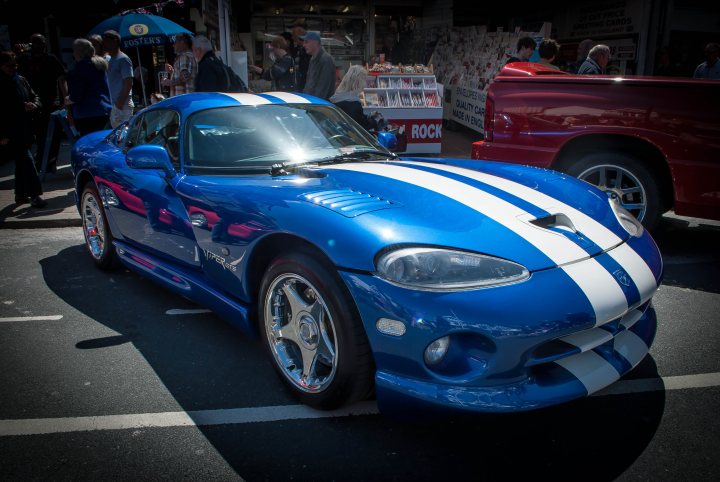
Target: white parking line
<point>176,419</point>
<point>30,318</point>
<point>38,426</point>
<point>178,311</point>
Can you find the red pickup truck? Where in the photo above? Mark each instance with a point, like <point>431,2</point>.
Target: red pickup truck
<point>651,142</point>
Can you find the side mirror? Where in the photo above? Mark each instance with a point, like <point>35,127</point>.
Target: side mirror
<point>387,139</point>
<point>150,156</point>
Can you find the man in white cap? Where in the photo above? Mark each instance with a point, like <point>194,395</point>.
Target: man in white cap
<point>321,72</point>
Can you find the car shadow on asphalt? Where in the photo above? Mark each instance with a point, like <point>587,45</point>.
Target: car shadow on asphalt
<point>206,364</point>
<point>678,238</point>
<point>203,361</point>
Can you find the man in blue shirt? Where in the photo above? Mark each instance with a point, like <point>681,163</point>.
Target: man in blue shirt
<point>120,79</point>
<point>710,69</point>
<point>596,61</point>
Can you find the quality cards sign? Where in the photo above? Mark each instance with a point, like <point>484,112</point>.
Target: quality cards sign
<point>468,107</point>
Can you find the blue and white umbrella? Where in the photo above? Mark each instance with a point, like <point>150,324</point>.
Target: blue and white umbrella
<point>139,29</point>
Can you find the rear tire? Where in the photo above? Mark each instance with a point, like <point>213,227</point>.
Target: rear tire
<point>626,178</point>
<point>98,237</point>
<point>312,332</point>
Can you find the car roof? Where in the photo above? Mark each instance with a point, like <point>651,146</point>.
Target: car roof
<point>187,104</point>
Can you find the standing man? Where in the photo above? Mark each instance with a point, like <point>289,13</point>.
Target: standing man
<point>548,50</point>
<point>120,79</point>
<point>583,50</point>
<point>183,73</point>
<point>710,69</point>
<point>596,61</point>
<point>321,72</point>
<point>297,50</point>
<point>17,103</point>
<point>47,76</point>
<point>211,75</point>
<point>525,49</point>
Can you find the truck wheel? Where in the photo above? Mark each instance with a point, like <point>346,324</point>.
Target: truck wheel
<point>313,334</point>
<point>625,178</point>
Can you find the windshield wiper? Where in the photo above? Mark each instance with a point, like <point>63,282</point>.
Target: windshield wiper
<point>283,168</point>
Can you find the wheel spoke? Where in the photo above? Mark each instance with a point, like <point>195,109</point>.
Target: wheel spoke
<point>309,361</point>
<point>602,178</point>
<point>326,348</point>
<point>631,190</point>
<point>631,207</point>
<point>618,179</point>
<point>295,301</point>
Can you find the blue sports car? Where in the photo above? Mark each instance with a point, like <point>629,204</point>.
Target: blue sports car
<point>451,284</point>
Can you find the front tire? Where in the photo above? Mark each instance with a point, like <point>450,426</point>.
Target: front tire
<point>626,179</point>
<point>98,238</point>
<point>313,334</point>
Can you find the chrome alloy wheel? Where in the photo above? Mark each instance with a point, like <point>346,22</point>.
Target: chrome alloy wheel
<point>620,185</point>
<point>93,225</point>
<point>301,333</point>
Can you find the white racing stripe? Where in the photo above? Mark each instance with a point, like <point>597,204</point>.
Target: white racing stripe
<point>608,300</point>
<point>601,289</point>
<point>632,317</point>
<point>30,318</point>
<point>624,255</point>
<point>248,99</point>
<point>288,97</point>
<point>631,347</point>
<point>591,370</point>
<point>588,339</point>
<point>38,426</point>
<point>638,270</point>
<point>594,230</point>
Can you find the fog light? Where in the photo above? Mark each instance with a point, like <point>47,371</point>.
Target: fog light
<point>390,327</point>
<point>435,352</point>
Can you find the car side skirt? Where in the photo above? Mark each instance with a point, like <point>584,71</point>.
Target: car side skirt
<point>188,284</point>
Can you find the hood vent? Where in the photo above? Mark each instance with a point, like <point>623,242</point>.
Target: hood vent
<point>555,222</point>
<point>347,202</point>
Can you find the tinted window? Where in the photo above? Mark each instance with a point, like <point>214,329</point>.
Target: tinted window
<point>256,136</point>
<point>119,135</point>
<point>159,127</point>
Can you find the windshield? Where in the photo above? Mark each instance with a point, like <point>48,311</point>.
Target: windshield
<point>258,137</point>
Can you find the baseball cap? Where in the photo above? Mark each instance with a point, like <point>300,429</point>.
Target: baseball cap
<point>111,34</point>
<point>311,35</point>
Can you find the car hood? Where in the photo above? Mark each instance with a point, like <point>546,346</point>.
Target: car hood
<point>536,217</point>
<point>353,211</point>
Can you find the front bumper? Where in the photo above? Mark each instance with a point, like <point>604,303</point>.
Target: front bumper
<point>515,347</point>
<point>561,381</point>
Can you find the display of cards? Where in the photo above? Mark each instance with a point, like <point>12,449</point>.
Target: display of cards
<point>471,57</point>
<point>371,99</point>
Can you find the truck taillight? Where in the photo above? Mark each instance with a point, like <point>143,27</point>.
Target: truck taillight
<point>489,123</point>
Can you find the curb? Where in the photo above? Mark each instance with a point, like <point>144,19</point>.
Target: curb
<point>41,223</point>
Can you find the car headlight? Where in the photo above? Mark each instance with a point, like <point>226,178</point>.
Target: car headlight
<point>626,220</point>
<point>437,269</point>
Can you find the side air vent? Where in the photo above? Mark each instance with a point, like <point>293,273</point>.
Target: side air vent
<point>347,202</point>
